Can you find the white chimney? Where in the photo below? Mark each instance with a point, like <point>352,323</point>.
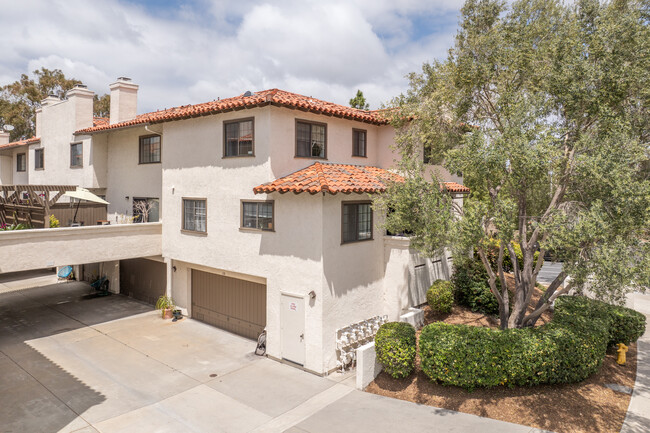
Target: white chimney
<point>82,100</point>
<point>124,100</point>
<point>4,137</point>
<point>38,120</point>
<point>51,99</point>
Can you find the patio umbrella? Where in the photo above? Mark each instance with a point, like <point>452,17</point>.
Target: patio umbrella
<point>83,194</point>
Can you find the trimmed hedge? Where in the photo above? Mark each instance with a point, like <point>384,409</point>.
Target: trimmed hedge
<point>395,345</point>
<point>569,349</point>
<point>440,296</point>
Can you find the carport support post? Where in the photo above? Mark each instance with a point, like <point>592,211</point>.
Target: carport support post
<point>170,272</point>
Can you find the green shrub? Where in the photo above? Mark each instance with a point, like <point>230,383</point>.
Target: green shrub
<point>395,345</point>
<point>480,299</point>
<point>471,288</point>
<point>440,296</point>
<point>626,325</point>
<point>569,349</point>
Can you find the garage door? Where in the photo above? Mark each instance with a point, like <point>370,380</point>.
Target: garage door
<point>232,304</point>
<point>143,279</point>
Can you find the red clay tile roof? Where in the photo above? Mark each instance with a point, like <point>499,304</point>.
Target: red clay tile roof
<point>100,121</point>
<point>275,97</point>
<point>456,187</point>
<point>20,143</point>
<point>335,178</point>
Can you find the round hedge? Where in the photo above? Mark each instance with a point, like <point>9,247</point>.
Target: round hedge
<point>440,296</point>
<point>568,349</point>
<point>395,345</point>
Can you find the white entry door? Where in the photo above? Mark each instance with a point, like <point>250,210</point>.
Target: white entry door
<point>293,328</point>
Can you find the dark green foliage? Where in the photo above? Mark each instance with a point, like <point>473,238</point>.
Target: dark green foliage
<point>471,288</point>
<point>567,350</point>
<point>395,345</point>
<point>480,299</point>
<point>440,296</point>
<point>626,325</point>
<point>359,101</point>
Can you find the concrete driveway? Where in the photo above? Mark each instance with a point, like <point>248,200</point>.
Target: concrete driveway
<point>548,272</point>
<point>71,362</point>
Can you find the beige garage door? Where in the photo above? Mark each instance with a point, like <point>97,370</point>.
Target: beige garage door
<point>235,305</point>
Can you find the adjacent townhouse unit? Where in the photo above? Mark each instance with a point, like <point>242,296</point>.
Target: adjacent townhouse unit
<point>265,205</point>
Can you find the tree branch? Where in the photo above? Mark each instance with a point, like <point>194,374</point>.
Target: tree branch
<point>492,277</point>
<point>531,319</point>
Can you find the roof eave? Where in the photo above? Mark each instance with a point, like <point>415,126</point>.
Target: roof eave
<point>119,128</point>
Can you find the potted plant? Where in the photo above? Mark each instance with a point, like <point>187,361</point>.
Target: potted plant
<point>166,304</point>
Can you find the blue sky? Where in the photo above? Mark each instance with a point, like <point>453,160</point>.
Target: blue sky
<point>191,51</point>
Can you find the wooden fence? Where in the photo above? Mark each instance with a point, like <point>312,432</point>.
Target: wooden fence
<point>32,205</point>
<point>89,213</point>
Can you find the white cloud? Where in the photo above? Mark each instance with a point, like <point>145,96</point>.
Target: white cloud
<point>217,48</point>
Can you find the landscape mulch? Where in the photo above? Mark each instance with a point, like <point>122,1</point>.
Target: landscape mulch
<point>585,407</point>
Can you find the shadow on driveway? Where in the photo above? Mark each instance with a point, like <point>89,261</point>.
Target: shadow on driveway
<point>27,378</point>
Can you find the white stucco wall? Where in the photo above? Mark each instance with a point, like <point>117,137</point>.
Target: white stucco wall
<point>125,176</point>
<point>408,275</point>
<point>43,248</point>
<point>353,276</point>
<point>339,141</point>
<point>6,170</point>
<point>58,121</point>
<point>289,258</point>
<point>20,177</point>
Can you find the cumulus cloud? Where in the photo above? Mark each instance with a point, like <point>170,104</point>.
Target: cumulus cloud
<point>205,49</point>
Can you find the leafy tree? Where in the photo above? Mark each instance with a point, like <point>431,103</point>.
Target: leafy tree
<point>102,105</point>
<point>359,101</point>
<point>19,99</point>
<point>544,109</point>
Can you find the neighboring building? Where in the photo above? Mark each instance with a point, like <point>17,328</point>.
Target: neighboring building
<point>265,205</point>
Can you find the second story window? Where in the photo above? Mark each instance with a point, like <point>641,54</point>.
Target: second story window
<point>359,142</point>
<point>195,215</point>
<point>21,162</point>
<point>149,149</point>
<point>39,159</point>
<point>76,155</point>
<point>238,138</point>
<point>356,222</point>
<point>311,139</point>
<point>257,215</point>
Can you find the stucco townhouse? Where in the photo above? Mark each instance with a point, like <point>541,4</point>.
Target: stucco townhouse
<point>265,205</point>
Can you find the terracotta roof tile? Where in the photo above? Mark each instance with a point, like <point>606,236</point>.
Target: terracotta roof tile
<point>100,121</point>
<point>275,97</point>
<point>335,178</point>
<point>20,143</point>
<point>456,187</point>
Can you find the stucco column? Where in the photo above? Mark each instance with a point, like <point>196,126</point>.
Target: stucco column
<point>170,271</point>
